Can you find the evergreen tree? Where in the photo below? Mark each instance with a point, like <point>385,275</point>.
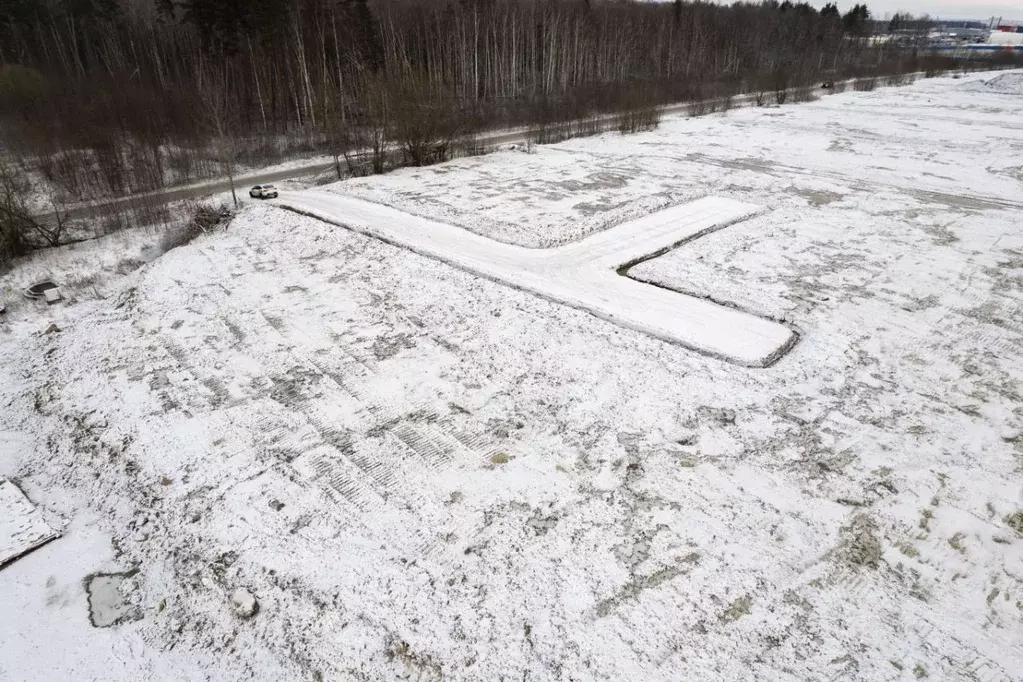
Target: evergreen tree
<point>855,20</point>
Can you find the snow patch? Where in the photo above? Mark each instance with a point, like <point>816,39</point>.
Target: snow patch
<point>22,527</point>
<point>1005,84</point>
<point>244,603</point>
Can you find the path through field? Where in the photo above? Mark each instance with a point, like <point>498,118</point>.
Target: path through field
<point>585,274</point>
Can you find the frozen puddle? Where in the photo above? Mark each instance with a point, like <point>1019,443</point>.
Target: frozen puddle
<point>22,527</point>
<point>111,598</point>
<point>585,274</point>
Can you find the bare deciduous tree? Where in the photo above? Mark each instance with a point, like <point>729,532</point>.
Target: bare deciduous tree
<point>220,114</point>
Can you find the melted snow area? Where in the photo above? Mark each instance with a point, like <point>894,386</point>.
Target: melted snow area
<point>419,472</point>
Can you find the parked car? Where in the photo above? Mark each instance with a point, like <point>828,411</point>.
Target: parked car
<point>263,192</point>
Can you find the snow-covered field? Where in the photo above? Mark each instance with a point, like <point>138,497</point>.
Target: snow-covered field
<point>421,473</point>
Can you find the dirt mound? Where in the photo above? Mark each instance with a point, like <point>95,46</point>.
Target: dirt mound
<point>1006,83</point>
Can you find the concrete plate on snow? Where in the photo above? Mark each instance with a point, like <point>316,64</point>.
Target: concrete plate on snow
<point>22,527</point>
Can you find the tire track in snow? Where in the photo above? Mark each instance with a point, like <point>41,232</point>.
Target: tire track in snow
<point>438,442</point>
<point>329,421</point>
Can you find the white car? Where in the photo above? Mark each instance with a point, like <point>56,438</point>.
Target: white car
<point>263,192</point>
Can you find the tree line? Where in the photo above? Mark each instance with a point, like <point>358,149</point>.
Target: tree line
<point>111,97</point>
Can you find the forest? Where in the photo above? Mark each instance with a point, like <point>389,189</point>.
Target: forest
<point>114,97</point>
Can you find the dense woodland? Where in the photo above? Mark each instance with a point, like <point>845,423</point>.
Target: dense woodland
<point>110,97</point>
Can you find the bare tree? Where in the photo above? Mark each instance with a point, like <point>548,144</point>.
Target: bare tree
<point>20,230</point>
<point>426,122</point>
<point>220,114</point>
<point>16,221</point>
<point>51,228</point>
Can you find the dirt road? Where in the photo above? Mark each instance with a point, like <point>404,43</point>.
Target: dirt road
<point>242,183</point>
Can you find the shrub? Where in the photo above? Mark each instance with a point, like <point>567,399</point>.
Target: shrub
<point>761,85</point>
<point>13,242</point>
<point>647,118</point>
<point>803,93</point>
<point>1015,521</point>
<point>636,109</point>
<point>203,218</point>
<point>865,84</point>
<point>20,231</point>
<point>780,81</point>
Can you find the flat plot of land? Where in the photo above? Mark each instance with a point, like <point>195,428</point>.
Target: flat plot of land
<point>420,472</point>
<point>930,140</point>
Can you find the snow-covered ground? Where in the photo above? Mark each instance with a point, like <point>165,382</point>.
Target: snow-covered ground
<point>421,473</point>
<point>587,274</point>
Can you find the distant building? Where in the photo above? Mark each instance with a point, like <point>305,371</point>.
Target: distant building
<point>1006,38</point>
<point>963,38</point>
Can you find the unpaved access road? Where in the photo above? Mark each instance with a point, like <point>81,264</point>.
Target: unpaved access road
<point>242,183</point>
<point>584,274</point>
